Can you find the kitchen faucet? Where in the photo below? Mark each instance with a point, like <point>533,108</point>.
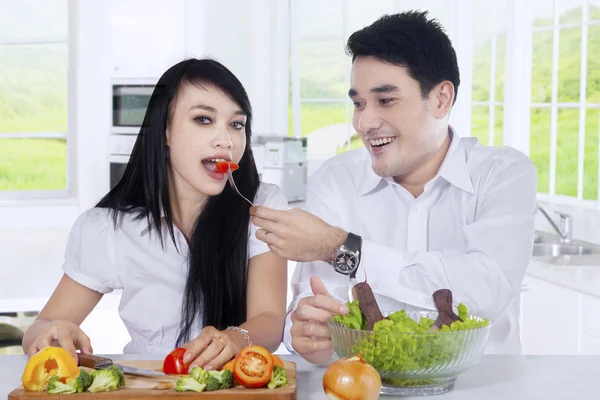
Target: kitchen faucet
<point>566,224</point>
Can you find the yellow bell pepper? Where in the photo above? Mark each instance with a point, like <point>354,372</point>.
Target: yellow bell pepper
<point>48,362</point>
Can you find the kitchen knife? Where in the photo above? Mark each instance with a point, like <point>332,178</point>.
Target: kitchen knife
<point>96,362</point>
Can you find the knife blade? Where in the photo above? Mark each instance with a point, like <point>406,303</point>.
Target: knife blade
<point>97,362</point>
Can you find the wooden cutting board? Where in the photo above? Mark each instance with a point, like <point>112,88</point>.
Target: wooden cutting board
<point>163,387</point>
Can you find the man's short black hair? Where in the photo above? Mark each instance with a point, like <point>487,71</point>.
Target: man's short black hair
<point>413,41</point>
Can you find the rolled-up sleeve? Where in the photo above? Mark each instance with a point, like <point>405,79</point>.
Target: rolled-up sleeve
<point>89,254</point>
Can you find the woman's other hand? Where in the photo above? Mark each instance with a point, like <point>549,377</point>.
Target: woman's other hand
<point>62,333</point>
<point>211,350</point>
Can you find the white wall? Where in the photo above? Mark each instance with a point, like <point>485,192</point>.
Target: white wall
<point>251,38</point>
<point>93,95</point>
<point>141,39</point>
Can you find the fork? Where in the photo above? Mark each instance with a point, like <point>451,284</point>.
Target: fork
<point>353,281</point>
<point>232,183</point>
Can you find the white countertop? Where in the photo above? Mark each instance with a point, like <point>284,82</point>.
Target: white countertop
<point>494,378</point>
<point>584,279</point>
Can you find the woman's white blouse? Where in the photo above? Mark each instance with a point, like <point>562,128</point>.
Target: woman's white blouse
<point>152,279</point>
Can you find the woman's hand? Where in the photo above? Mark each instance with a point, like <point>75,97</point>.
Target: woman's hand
<point>64,333</point>
<point>211,350</point>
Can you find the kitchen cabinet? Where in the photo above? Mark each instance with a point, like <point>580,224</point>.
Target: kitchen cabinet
<point>146,40</point>
<point>589,344</point>
<point>549,318</point>
<point>558,320</point>
<point>590,316</point>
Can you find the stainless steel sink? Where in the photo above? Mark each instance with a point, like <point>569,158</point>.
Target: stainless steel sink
<point>556,250</point>
<point>551,249</point>
<point>546,237</point>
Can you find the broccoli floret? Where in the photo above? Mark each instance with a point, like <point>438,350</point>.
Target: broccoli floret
<point>278,378</point>
<point>57,387</point>
<point>199,374</point>
<point>189,384</point>
<point>212,383</point>
<point>85,381</point>
<point>106,380</point>
<point>204,377</point>
<point>77,385</point>
<point>225,378</point>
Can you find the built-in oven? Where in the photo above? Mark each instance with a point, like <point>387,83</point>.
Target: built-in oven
<point>120,147</point>
<point>130,98</point>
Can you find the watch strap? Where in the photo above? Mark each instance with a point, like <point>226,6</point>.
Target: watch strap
<point>353,242</point>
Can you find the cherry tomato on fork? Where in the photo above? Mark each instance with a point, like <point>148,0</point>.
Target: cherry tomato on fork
<point>223,166</point>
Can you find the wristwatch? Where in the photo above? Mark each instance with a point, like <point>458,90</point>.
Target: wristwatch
<point>346,258</point>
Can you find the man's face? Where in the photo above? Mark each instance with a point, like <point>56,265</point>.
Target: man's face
<point>397,125</point>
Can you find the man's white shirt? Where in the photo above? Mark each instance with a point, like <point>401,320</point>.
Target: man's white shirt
<point>471,231</point>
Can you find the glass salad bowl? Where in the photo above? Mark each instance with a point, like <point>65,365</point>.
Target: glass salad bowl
<point>416,363</point>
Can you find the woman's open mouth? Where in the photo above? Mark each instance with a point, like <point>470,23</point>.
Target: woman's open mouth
<point>210,164</point>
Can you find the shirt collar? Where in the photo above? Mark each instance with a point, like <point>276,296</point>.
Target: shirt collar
<point>371,181</point>
<point>454,170</point>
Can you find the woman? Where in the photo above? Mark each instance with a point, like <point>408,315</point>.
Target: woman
<point>175,237</point>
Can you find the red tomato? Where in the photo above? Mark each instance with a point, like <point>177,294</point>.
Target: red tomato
<point>253,367</point>
<point>223,167</point>
<point>173,363</point>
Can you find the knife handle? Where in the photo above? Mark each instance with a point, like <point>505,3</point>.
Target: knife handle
<point>95,362</point>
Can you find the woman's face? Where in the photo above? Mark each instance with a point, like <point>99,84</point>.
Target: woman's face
<point>205,126</point>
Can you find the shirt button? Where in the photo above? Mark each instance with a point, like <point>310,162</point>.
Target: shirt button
<point>416,208</point>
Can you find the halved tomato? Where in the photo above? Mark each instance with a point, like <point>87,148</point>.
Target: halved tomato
<point>253,366</point>
<point>277,362</point>
<point>173,363</point>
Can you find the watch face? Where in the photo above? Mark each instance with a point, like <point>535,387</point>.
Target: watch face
<point>345,263</point>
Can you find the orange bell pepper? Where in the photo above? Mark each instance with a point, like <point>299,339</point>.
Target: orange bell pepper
<point>48,362</point>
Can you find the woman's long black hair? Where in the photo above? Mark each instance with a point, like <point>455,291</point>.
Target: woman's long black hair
<point>215,290</point>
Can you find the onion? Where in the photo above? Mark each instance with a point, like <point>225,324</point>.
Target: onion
<point>351,379</point>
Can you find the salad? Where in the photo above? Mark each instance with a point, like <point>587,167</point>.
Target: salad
<point>399,343</point>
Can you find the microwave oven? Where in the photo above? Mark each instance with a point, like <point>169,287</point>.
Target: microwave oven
<point>130,99</point>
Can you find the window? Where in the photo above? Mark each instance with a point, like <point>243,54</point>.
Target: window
<point>489,51</point>
<point>565,97</point>
<point>533,68</point>
<point>33,98</point>
<point>320,68</point>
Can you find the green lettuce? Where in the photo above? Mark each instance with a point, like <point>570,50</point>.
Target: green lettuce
<point>354,319</point>
<point>416,349</point>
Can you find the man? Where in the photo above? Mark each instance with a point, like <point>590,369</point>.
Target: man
<point>418,209</point>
